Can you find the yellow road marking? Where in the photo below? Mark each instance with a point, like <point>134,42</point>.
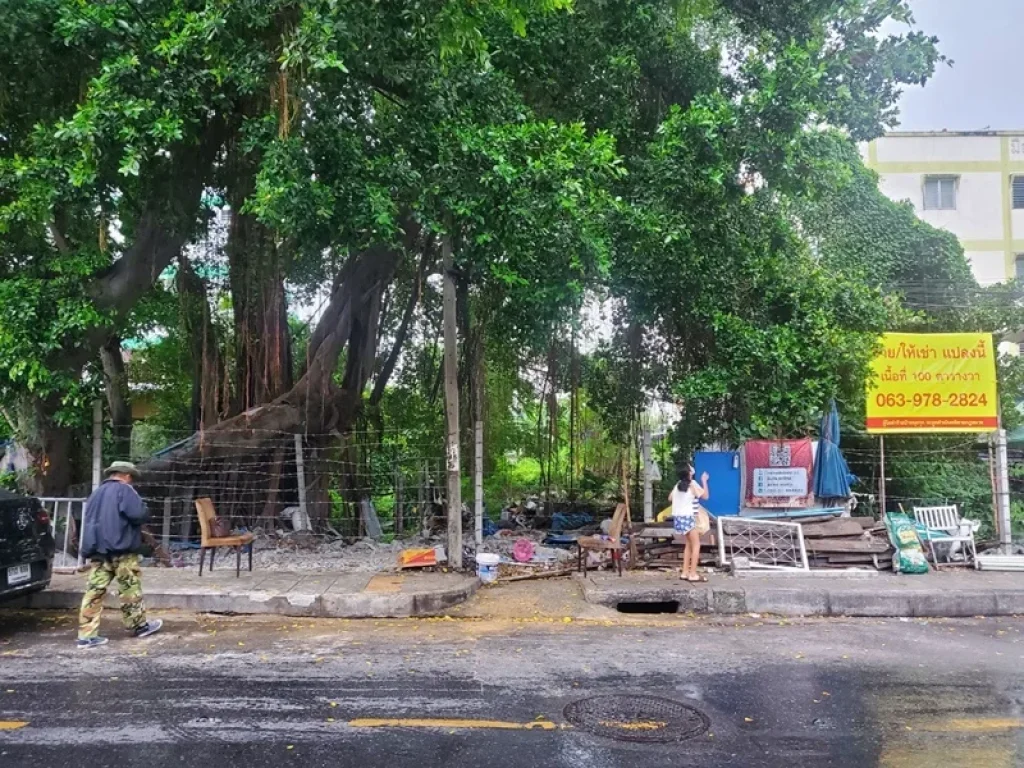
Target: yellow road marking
<point>928,756</point>
<point>12,725</point>
<point>972,725</point>
<point>416,722</point>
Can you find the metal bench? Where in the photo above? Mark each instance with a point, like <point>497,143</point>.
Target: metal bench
<point>943,525</point>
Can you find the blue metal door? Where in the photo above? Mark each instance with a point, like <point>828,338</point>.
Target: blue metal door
<point>723,467</point>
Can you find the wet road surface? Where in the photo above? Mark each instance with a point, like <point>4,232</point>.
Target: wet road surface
<point>426,693</point>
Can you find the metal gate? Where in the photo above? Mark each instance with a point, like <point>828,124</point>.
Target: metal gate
<point>765,544</point>
<point>66,516</point>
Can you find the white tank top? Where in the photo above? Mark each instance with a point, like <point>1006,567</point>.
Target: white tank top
<point>684,503</point>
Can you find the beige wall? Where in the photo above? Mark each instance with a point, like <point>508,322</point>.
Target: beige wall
<point>991,231</point>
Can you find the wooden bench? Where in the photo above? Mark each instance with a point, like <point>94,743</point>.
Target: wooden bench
<point>204,507</point>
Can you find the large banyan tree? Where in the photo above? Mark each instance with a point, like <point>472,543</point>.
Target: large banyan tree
<point>642,150</point>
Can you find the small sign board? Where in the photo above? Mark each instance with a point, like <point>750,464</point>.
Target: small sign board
<point>780,481</point>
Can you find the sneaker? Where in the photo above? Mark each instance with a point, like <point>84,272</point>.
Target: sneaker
<point>93,642</point>
<point>149,628</point>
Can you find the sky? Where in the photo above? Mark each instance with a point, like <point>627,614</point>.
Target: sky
<point>982,88</point>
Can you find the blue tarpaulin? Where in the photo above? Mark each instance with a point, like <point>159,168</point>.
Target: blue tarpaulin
<point>831,474</point>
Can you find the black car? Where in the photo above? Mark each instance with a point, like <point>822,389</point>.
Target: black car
<point>26,545</point>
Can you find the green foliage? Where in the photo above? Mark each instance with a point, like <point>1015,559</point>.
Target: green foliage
<point>654,154</point>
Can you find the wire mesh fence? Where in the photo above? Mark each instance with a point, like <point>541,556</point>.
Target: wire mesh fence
<point>308,482</point>
<point>933,470</point>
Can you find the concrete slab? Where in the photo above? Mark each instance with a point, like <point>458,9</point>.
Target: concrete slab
<point>326,594</point>
<point>950,594</point>
<point>348,583</point>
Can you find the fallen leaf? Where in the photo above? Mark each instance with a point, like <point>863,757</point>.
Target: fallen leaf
<point>748,719</point>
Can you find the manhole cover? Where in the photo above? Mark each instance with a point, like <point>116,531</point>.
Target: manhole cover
<point>637,718</point>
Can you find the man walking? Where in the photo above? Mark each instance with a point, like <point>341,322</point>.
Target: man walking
<point>112,539</point>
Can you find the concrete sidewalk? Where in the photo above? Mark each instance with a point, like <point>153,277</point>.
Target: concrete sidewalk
<point>948,594</point>
<point>325,594</point>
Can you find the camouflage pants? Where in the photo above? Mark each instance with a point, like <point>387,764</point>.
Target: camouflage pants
<point>124,568</point>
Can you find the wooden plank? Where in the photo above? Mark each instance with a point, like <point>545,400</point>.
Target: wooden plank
<point>841,527</point>
<point>826,546</point>
<point>843,546</point>
<point>866,557</point>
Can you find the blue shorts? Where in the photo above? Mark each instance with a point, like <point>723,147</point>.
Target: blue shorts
<point>684,524</point>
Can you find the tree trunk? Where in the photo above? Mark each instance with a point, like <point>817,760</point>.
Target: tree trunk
<point>388,368</point>
<point>118,397</point>
<point>314,403</point>
<point>51,447</point>
<point>210,396</point>
<point>263,360</point>
<point>451,402</point>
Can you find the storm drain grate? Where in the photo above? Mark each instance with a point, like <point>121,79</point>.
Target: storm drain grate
<point>647,719</point>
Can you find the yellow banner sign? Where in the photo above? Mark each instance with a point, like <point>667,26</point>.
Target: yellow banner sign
<point>933,382</point>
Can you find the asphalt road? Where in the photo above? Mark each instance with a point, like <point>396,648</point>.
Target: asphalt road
<point>432,693</point>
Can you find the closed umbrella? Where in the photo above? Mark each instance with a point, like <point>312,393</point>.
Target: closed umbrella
<point>831,474</point>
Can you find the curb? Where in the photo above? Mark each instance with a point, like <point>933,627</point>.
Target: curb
<point>348,605</point>
<point>822,602</point>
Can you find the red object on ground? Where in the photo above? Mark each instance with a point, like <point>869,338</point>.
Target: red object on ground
<point>523,551</point>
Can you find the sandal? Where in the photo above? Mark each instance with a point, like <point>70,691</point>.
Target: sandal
<point>700,579</point>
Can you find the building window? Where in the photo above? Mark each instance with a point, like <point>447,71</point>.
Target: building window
<point>1017,188</point>
<point>940,193</point>
<point>1019,273</point>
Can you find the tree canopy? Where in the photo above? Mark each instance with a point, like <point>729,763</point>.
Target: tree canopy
<point>202,170</point>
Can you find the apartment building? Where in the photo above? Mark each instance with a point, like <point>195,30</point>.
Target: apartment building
<point>968,182</point>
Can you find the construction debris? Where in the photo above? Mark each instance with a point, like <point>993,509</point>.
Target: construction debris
<point>830,543</point>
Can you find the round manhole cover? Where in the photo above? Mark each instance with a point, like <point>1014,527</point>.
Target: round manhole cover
<point>637,718</point>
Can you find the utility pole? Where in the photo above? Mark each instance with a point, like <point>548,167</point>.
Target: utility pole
<point>451,403</point>
<point>478,481</point>
<point>1003,493</point>
<point>648,486</point>
<point>97,443</point>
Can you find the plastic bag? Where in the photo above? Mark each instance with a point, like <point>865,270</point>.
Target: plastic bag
<point>909,555</point>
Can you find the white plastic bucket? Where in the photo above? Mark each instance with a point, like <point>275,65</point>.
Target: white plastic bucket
<point>487,567</point>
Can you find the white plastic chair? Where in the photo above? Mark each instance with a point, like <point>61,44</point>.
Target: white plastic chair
<point>943,525</point>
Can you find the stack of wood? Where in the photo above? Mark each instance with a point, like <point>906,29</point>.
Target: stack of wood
<point>831,542</point>
<point>846,542</point>
<point>658,546</point>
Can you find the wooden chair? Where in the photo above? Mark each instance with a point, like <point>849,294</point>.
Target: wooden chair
<point>943,525</point>
<point>612,544</point>
<point>204,507</point>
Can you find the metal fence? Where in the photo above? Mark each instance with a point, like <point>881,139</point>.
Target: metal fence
<point>763,544</point>
<point>66,525</point>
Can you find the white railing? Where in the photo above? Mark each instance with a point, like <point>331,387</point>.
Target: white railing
<point>62,507</point>
<point>765,544</point>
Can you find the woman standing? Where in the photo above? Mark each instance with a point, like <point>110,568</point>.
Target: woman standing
<point>686,496</point>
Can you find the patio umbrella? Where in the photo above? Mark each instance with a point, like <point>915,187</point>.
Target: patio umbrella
<point>831,473</point>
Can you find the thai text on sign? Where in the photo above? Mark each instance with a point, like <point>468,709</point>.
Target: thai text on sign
<point>933,382</point>
<point>778,473</point>
<point>780,482</point>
